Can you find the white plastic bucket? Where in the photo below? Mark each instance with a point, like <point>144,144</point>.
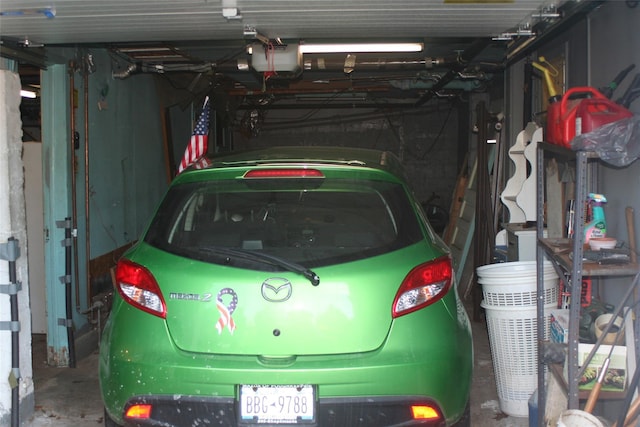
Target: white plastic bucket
<point>513,337</point>
<point>578,418</point>
<point>512,284</point>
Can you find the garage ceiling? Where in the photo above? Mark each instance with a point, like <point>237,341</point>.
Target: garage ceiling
<point>465,41</point>
<point>99,21</point>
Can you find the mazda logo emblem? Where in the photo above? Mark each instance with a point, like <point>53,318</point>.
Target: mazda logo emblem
<point>276,289</point>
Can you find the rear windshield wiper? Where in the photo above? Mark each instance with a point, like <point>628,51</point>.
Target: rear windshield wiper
<point>265,258</point>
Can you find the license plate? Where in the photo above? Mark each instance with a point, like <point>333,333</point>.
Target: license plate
<point>277,404</point>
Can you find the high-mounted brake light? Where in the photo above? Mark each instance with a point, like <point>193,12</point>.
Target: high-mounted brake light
<point>139,412</point>
<point>424,285</point>
<point>284,173</point>
<point>138,287</point>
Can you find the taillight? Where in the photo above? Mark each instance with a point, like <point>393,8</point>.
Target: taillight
<point>139,288</point>
<point>425,412</point>
<point>139,412</point>
<point>424,285</point>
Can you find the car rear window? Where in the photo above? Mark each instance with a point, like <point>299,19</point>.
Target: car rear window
<point>334,221</point>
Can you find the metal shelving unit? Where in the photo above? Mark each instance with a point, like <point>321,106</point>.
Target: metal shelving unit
<point>571,268</point>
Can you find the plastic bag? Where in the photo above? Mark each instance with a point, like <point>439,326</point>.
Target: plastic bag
<point>616,143</point>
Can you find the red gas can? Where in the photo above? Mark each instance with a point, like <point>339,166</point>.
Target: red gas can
<point>574,116</point>
<point>593,113</point>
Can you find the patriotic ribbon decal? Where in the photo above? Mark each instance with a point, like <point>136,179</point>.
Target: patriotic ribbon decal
<point>226,311</point>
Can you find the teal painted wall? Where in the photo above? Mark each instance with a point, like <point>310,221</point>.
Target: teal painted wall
<point>57,205</point>
<point>126,178</point>
<point>126,156</point>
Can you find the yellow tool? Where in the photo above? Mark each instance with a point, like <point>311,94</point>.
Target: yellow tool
<point>548,71</point>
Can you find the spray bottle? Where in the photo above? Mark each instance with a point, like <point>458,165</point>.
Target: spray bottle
<point>596,225</point>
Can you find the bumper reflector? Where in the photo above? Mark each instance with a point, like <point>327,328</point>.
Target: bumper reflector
<point>139,412</point>
<point>424,412</point>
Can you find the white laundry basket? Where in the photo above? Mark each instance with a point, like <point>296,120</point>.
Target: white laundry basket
<point>510,296</point>
<point>513,337</point>
<point>514,284</point>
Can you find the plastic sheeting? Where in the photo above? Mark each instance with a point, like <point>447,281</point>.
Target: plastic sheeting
<point>616,143</point>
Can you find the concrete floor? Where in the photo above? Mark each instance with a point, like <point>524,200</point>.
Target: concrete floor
<point>65,396</point>
<point>70,397</point>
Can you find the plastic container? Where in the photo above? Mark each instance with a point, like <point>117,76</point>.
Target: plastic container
<point>578,418</point>
<point>613,336</point>
<point>593,113</point>
<point>570,116</point>
<point>513,340</point>
<point>596,227</point>
<point>511,284</point>
<point>553,132</point>
<point>597,243</point>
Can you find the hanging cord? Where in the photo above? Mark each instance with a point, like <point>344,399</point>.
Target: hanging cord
<point>271,67</point>
<point>440,132</point>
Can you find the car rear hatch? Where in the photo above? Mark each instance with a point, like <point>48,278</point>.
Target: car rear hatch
<point>225,310</point>
<point>353,227</point>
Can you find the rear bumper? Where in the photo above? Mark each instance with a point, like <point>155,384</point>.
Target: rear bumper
<point>434,364</point>
<point>331,412</point>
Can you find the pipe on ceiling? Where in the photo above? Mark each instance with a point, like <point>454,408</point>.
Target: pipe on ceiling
<point>467,84</point>
<point>315,63</point>
<point>138,68</point>
<point>337,63</point>
<point>131,69</point>
<point>367,63</point>
<point>459,65</point>
<point>363,62</point>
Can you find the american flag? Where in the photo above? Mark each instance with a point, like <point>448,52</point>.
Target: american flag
<point>197,146</point>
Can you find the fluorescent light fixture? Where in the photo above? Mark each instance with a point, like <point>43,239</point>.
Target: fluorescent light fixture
<point>361,47</point>
<point>27,93</point>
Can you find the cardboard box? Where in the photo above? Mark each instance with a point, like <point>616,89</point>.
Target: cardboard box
<point>616,376</point>
<point>623,359</point>
<point>559,326</point>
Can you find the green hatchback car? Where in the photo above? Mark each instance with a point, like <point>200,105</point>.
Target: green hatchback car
<point>288,286</point>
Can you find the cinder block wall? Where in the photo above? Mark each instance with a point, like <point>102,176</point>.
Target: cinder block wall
<point>426,141</point>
